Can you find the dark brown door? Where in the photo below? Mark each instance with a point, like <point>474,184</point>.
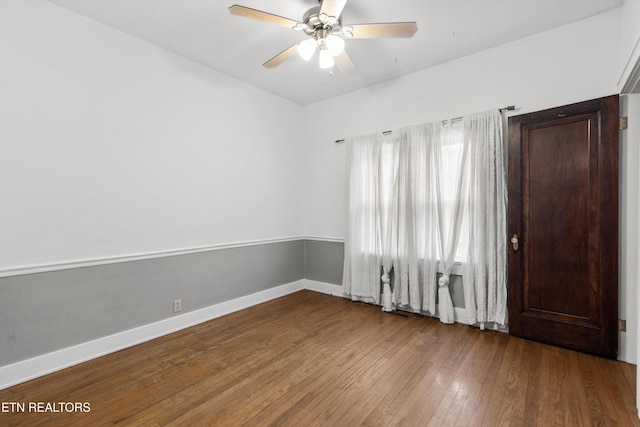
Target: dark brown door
<point>563,207</point>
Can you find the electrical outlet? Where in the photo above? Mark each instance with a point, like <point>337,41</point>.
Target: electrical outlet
<point>177,306</point>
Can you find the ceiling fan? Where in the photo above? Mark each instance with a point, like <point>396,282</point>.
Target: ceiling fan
<point>323,25</point>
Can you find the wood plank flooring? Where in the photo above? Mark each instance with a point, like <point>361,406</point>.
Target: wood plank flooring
<point>312,359</point>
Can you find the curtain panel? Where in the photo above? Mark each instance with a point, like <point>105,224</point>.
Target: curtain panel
<point>429,194</point>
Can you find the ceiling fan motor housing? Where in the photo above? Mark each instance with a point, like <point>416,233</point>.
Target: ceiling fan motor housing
<point>314,24</point>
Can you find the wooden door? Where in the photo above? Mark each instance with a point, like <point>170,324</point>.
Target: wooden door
<point>563,207</point>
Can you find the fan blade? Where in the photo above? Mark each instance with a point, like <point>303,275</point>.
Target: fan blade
<point>330,11</point>
<point>282,56</point>
<point>389,29</point>
<point>259,15</point>
<point>345,64</point>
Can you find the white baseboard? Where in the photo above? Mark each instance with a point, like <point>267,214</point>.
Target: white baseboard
<point>26,370</point>
<point>322,287</point>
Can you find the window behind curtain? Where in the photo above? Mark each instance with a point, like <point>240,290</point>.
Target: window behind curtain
<point>451,155</point>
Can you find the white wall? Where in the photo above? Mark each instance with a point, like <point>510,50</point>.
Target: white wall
<point>111,146</point>
<point>628,241</point>
<point>629,177</point>
<point>633,137</point>
<point>576,62</point>
<point>629,40</point>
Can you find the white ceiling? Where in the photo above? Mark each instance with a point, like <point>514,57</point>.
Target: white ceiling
<point>205,31</point>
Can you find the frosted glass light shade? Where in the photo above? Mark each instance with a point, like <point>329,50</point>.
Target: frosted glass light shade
<point>334,44</point>
<point>326,59</point>
<point>307,48</point>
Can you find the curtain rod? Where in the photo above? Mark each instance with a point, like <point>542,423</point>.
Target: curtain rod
<point>388,132</point>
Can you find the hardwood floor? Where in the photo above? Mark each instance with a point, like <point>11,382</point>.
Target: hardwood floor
<point>312,359</point>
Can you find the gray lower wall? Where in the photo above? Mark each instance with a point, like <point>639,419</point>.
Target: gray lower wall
<point>323,261</point>
<point>45,312</point>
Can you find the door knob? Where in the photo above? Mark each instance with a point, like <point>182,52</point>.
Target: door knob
<point>514,242</point>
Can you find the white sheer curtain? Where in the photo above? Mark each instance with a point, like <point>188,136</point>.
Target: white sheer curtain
<point>374,241</point>
<point>420,197</point>
<point>485,275</point>
<point>416,265</point>
<point>449,223</point>
<point>389,192</point>
<point>363,248</point>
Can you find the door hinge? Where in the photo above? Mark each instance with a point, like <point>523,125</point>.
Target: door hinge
<point>622,325</point>
<point>623,123</point>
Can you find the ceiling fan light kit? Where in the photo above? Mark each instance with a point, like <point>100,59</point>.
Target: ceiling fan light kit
<point>327,42</point>
<point>307,48</point>
<point>323,25</point>
<point>334,44</point>
<point>326,59</point>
